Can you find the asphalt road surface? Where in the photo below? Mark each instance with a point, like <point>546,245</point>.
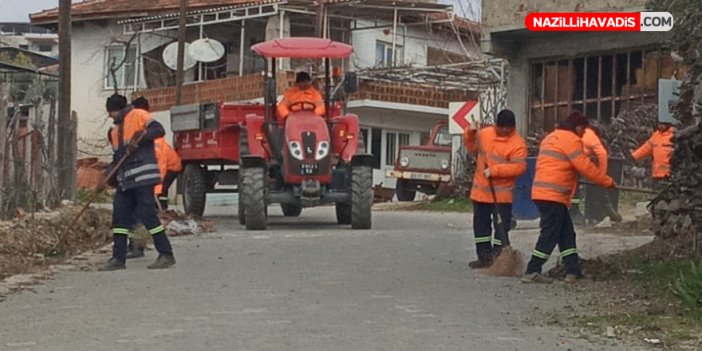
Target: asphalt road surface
<point>304,284</point>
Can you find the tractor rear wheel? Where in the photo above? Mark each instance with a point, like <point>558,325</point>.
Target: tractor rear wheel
<point>343,213</point>
<point>194,189</point>
<point>240,206</point>
<point>402,191</point>
<point>252,198</point>
<point>361,197</point>
<point>291,210</point>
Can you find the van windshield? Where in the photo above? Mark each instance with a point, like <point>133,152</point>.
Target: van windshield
<point>443,138</point>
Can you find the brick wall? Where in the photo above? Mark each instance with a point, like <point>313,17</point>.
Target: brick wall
<point>407,93</point>
<point>251,87</point>
<point>226,89</point>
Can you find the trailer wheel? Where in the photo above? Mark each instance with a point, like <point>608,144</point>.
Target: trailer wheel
<point>402,191</point>
<point>291,210</point>
<point>361,197</point>
<point>252,197</point>
<point>194,189</point>
<point>343,213</point>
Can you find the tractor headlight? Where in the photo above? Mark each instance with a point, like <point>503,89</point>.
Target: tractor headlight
<point>295,150</point>
<point>404,162</point>
<point>445,164</point>
<point>322,150</point>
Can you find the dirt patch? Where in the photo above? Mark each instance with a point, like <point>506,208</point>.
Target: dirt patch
<point>31,243</point>
<point>510,263</point>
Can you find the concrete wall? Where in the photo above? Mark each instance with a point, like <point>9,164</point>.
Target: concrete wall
<point>510,14</point>
<point>521,49</point>
<point>414,41</point>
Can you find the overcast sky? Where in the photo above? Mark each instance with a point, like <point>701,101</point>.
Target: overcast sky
<point>19,10</point>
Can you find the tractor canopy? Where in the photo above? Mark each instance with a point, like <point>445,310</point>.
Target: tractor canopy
<point>303,47</point>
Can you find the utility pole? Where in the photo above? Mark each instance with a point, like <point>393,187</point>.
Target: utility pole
<point>320,18</point>
<point>180,75</point>
<point>66,163</point>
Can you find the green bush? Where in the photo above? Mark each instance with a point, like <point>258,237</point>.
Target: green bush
<point>688,288</point>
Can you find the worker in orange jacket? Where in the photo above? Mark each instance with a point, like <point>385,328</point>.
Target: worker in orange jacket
<point>169,166</point>
<point>660,146</point>
<point>132,138</point>
<point>561,158</point>
<point>594,149</point>
<point>302,96</point>
<point>501,158</point>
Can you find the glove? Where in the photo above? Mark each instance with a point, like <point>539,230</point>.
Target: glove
<point>133,144</point>
<point>487,172</point>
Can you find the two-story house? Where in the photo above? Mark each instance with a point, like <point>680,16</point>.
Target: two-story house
<point>121,43</point>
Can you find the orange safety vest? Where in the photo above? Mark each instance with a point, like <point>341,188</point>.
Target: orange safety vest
<point>561,157</point>
<point>506,158</point>
<point>294,95</point>
<point>660,146</point>
<point>594,148</point>
<point>168,161</point>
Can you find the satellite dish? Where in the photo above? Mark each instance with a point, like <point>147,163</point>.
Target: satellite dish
<point>170,57</point>
<point>206,50</point>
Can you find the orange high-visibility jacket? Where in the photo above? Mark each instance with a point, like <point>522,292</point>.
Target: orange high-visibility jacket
<point>593,148</point>
<point>168,160</point>
<point>561,158</point>
<point>660,146</point>
<point>506,158</point>
<point>294,95</point>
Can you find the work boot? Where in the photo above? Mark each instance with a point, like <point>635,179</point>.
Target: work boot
<point>163,261</point>
<point>480,263</point>
<point>572,278</point>
<point>536,278</point>
<point>112,264</point>
<point>135,252</point>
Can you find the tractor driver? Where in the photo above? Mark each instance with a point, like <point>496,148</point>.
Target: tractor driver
<point>302,96</point>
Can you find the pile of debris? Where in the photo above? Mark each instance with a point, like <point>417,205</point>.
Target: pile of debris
<point>629,130</point>
<point>677,211</point>
<point>32,241</point>
<point>178,223</point>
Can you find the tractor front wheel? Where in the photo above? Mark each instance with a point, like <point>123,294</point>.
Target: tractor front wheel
<point>361,197</point>
<point>343,213</point>
<point>194,189</point>
<point>252,198</point>
<point>291,210</point>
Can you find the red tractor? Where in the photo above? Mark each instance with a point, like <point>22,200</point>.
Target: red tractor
<point>305,160</point>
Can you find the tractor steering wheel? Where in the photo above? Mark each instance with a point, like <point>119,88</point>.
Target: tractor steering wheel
<point>304,105</point>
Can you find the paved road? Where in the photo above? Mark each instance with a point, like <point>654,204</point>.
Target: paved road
<point>305,284</point>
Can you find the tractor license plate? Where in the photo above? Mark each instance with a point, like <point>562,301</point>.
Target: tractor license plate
<point>309,169</point>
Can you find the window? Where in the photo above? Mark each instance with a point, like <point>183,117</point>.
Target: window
<point>404,139</point>
<point>390,148</point>
<point>443,137</point>
<point>24,47</point>
<point>364,140</point>
<point>384,55</point>
<point>393,141</point>
<point>600,86</point>
<point>45,47</point>
<point>118,70</point>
